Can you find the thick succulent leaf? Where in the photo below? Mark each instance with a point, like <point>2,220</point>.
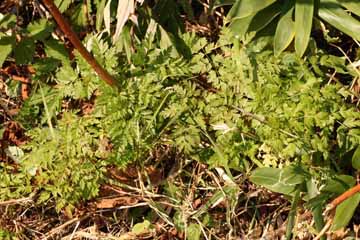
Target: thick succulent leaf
<point>304,11</point>
<point>352,5</point>
<point>331,12</point>
<point>241,25</point>
<point>285,32</point>
<point>345,211</point>
<point>265,17</point>
<point>245,8</point>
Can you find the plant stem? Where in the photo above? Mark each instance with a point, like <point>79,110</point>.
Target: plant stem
<point>71,35</point>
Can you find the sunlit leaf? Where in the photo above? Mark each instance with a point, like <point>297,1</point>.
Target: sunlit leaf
<point>345,211</point>
<point>304,10</point>
<point>125,9</point>
<point>331,12</point>
<point>285,32</point>
<point>351,5</point>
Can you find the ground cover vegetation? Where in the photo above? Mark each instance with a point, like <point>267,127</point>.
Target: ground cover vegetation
<point>228,120</point>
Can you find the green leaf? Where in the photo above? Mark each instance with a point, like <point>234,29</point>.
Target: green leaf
<point>265,17</point>
<point>7,21</point>
<point>56,50</point>
<point>345,211</point>
<point>24,51</point>
<point>304,11</point>
<point>245,8</point>
<point>284,33</point>
<point>39,30</point>
<point>6,46</point>
<point>63,4</point>
<point>279,180</point>
<point>100,15</point>
<point>220,3</point>
<point>331,12</point>
<point>193,232</point>
<point>240,26</point>
<point>356,159</point>
<point>353,6</point>
<point>141,228</point>
<point>339,184</point>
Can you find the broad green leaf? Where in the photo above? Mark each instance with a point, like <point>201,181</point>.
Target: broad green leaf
<point>245,8</point>
<point>285,32</point>
<point>345,211</point>
<point>351,5</point>
<point>6,46</point>
<point>356,159</point>
<point>193,232</point>
<point>241,25</point>
<point>304,11</point>
<point>339,184</point>
<point>278,180</point>
<point>331,12</point>
<point>265,17</point>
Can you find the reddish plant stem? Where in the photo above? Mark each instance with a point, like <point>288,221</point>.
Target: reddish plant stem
<point>71,35</point>
<point>349,193</point>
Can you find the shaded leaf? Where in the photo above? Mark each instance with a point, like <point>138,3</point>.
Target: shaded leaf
<point>356,159</point>
<point>245,8</point>
<point>24,51</point>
